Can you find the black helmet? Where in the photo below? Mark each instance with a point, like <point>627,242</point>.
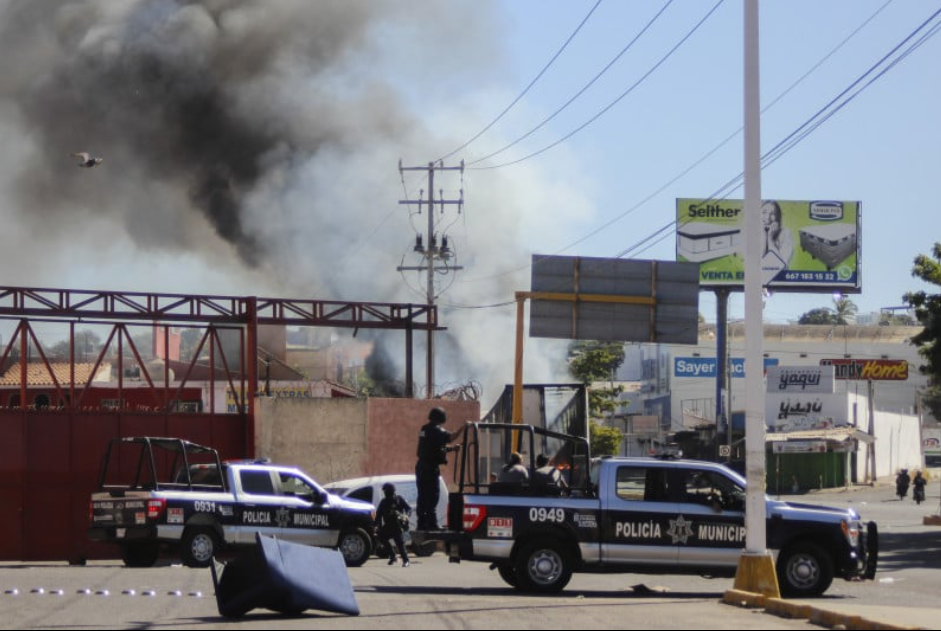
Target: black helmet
<point>388,488</point>
<point>437,415</point>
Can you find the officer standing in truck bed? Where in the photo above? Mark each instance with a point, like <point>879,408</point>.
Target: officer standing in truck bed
<point>433,448</point>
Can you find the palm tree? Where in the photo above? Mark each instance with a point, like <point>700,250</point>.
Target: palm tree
<point>844,310</point>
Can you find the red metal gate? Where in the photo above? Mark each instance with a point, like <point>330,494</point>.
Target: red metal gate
<point>49,465</point>
<point>56,421</point>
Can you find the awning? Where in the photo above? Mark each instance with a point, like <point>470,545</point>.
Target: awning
<point>833,434</point>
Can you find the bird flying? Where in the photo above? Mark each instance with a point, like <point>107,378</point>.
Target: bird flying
<point>87,160</point>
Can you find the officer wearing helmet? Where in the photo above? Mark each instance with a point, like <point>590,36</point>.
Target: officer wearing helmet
<point>433,448</point>
<point>392,520</point>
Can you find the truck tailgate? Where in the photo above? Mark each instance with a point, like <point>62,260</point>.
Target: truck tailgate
<point>132,509</point>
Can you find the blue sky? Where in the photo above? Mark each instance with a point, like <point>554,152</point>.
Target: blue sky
<point>880,149</point>
<point>253,148</point>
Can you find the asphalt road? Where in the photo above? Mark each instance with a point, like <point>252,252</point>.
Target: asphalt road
<point>910,552</point>
<point>431,594</point>
<point>435,594</point>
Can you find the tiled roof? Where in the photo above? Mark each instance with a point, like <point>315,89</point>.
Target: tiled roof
<point>38,375</point>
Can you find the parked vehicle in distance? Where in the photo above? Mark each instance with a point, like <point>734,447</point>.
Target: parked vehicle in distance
<point>369,489</point>
<point>170,493</point>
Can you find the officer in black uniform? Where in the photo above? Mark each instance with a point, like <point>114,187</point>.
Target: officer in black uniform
<point>392,521</point>
<point>433,448</point>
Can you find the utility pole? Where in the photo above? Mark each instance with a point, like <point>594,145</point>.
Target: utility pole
<point>432,253</point>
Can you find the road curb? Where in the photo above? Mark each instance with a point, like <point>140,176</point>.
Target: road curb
<point>799,610</point>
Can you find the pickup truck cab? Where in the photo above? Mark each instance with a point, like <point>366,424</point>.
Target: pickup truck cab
<point>179,495</point>
<point>638,515</point>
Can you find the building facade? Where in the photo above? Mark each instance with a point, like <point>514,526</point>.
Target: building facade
<point>679,386</point>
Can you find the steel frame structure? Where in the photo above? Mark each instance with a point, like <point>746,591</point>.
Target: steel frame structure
<point>241,313</point>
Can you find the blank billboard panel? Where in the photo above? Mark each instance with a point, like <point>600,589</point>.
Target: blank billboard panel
<point>614,300</point>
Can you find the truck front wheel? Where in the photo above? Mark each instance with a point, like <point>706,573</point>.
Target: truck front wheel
<point>543,566</point>
<point>355,546</point>
<point>804,569</point>
<point>199,545</point>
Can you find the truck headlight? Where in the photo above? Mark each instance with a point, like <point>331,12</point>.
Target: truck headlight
<point>851,532</point>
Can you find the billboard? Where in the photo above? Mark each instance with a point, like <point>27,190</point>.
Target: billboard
<point>807,245</point>
<point>629,300</point>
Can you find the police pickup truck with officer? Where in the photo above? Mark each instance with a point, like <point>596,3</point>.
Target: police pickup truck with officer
<point>168,492</point>
<point>637,515</point>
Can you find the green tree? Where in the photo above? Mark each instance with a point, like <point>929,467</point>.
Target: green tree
<point>604,440</point>
<point>928,312</point>
<point>592,362</point>
<point>844,310</point>
<point>821,315</point>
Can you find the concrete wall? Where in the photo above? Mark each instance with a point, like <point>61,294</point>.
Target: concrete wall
<point>327,438</point>
<point>335,439</point>
<point>898,444</point>
<point>898,439</point>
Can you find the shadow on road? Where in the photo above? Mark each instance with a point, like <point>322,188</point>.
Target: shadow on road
<point>636,591</point>
<point>909,549</point>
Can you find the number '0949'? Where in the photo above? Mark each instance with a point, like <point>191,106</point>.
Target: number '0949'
<point>556,515</point>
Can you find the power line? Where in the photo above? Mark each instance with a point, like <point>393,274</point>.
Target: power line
<point>490,306</point>
<point>610,105</point>
<point>773,154</point>
<point>527,88</point>
<point>815,121</point>
<point>725,141</point>
<point>580,92</point>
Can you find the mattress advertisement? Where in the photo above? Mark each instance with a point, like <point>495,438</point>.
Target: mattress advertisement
<point>806,246</point>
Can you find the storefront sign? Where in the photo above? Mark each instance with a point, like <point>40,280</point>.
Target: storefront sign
<point>866,369</point>
<point>706,366</point>
<point>799,446</point>
<point>801,379</point>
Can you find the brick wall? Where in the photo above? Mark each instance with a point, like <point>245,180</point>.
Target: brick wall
<point>393,432</point>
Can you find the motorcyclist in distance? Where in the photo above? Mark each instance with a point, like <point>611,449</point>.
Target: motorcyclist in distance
<point>918,492</point>
<point>902,481</point>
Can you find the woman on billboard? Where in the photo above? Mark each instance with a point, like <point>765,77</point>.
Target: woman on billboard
<point>778,241</point>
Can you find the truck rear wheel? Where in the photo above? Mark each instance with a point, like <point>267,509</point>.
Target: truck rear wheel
<point>425,549</point>
<point>140,554</point>
<point>804,569</point>
<point>199,545</point>
<point>508,574</point>
<point>543,566</point>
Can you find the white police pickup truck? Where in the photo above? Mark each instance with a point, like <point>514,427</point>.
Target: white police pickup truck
<point>637,515</point>
<point>168,492</point>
